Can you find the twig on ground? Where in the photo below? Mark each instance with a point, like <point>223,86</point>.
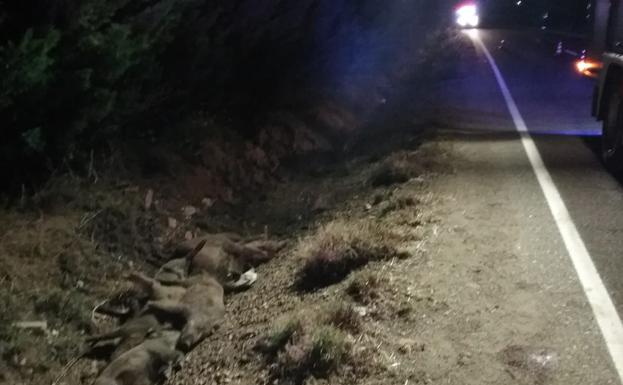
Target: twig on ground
<point>22,198</point>
<point>92,172</point>
<point>94,310</point>
<point>70,171</point>
<point>88,218</point>
<point>67,368</point>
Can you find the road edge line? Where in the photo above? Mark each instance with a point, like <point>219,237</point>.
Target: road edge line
<point>603,308</point>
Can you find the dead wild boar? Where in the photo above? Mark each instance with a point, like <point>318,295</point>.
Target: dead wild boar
<point>129,335</point>
<point>201,308</point>
<point>177,269</point>
<point>145,364</point>
<point>173,271</point>
<point>225,256</point>
<point>157,291</point>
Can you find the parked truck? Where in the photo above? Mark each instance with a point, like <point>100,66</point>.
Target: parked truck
<point>604,61</point>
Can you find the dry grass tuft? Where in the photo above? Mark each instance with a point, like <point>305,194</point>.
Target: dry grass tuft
<point>280,336</point>
<point>318,355</point>
<point>300,348</point>
<point>330,348</point>
<point>364,288</point>
<point>344,317</point>
<point>398,168</point>
<point>338,248</point>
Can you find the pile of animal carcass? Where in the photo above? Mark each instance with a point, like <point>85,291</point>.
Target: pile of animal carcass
<point>177,308</point>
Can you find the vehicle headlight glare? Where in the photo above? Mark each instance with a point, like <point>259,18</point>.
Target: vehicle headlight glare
<point>467,16</point>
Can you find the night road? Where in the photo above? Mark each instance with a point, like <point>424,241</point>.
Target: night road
<point>503,201</point>
<point>311,192</point>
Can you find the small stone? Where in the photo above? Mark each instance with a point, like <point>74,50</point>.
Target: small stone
<point>207,202</point>
<point>321,204</point>
<point>361,310</point>
<point>149,199</point>
<point>172,223</point>
<point>189,211</point>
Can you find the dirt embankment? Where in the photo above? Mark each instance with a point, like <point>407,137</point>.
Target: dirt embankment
<point>333,307</point>
<point>71,246</point>
<point>59,262</point>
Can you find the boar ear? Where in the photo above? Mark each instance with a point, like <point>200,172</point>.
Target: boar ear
<point>191,254</point>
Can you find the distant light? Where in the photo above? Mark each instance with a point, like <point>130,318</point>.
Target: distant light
<point>467,10</point>
<point>519,2</point>
<point>467,15</point>
<point>582,66</point>
<point>588,68</point>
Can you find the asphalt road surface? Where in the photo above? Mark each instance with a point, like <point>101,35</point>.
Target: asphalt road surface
<point>501,177</point>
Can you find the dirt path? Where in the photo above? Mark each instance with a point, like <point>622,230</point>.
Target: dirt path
<point>516,313</point>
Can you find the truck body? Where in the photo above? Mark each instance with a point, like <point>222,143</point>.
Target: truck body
<point>604,60</point>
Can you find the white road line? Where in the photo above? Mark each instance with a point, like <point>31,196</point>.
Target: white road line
<point>605,313</point>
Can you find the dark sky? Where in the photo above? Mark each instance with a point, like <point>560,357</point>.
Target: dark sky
<point>554,14</point>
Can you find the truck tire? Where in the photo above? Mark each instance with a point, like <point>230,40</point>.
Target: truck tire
<point>612,131</point>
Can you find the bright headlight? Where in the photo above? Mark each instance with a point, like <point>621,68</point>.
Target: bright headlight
<point>467,15</point>
<point>467,10</point>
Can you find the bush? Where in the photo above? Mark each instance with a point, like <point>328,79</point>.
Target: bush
<point>71,78</point>
<point>301,349</point>
<point>398,168</point>
<point>281,336</point>
<point>84,75</point>
<point>329,350</point>
<point>338,248</point>
<point>364,288</point>
<point>344,317</point>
